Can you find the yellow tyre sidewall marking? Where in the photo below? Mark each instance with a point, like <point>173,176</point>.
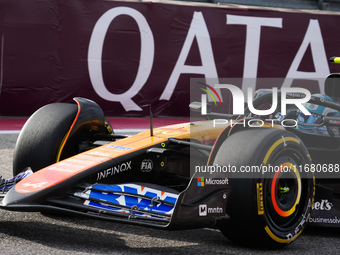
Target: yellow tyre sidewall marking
<point>277,143</point>
<point>281,240</point>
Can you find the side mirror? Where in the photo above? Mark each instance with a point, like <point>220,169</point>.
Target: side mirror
<point>197,107</point>
<point>332,85</point>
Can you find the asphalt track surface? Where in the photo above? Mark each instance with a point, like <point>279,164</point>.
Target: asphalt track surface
<point>37,233</point>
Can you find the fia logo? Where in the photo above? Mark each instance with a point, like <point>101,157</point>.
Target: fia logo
<point>146,165</point>
<point>202,210</point>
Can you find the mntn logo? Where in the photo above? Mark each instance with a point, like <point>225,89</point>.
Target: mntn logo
<point>200,181</point>
<point>202,210</point>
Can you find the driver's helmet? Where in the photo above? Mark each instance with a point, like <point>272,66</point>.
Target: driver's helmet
<point>317,113</point>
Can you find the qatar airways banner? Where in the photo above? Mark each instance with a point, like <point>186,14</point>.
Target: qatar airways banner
<point>127,54</point>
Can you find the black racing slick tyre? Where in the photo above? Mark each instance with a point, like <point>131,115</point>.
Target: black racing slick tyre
<point>271,198</point>
<point>40,138</point>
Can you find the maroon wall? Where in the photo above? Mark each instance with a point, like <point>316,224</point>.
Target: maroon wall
<point>126,54</point>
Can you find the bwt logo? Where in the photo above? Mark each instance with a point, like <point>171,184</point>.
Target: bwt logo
<point>238,99</point>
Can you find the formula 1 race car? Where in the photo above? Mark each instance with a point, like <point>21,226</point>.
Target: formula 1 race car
<point>183,176</point>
